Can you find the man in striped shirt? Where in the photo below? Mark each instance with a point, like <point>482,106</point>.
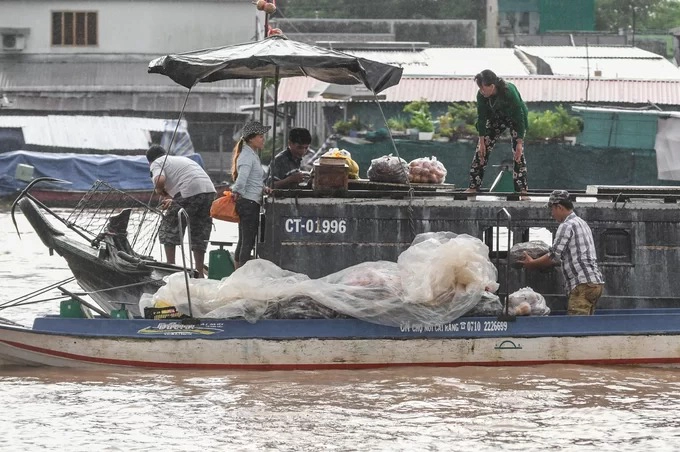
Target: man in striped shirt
<point>575,250</point>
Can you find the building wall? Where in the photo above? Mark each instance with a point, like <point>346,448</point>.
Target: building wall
<point>558,15</point>
<point>137,26</point>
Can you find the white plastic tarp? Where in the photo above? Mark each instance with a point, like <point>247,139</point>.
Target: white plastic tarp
<point>440,277</point>
<point>667,148</point>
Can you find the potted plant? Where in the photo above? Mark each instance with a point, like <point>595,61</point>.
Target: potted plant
<point>342,127</point>
<point>421,118</point>
<point>397,125</point>
<point>463,119</point>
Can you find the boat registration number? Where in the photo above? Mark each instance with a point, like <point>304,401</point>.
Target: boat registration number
<point>315,226</point>
<point>463,325</point>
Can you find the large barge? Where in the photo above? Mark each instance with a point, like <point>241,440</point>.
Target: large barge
<point>635,230</point>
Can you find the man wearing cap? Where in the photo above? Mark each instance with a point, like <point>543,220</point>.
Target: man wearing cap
<point>285,168</point>
<point>575,249</point>
<point>183,184</point>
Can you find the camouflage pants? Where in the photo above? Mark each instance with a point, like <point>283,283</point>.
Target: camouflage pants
<point>583,298</point>
<point>495,127</point>
<point>200,222</point>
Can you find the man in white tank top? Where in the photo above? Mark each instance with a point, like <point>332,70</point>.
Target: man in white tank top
<point>183,184</point>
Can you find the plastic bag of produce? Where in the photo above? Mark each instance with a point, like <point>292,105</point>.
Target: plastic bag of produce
<point>388,169</point>
<point>426,170</point>
<point>527,302</point>
<point>534,248</point>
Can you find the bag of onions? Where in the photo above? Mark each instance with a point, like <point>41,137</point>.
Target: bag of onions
<point>426,170</point>
<point>388,168</point>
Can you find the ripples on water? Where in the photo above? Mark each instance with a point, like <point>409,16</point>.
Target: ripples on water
<point>465,409</point>
<point>536,408</point>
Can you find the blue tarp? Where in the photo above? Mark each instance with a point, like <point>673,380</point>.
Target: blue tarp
<point>124,172</point>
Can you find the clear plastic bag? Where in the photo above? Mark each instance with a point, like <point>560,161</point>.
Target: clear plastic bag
<point>534,248</point>
<point>527,302</point>
<point>426,170</point>
<point>388,169</point>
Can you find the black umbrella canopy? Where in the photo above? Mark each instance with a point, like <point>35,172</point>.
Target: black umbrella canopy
<point>262,58</point>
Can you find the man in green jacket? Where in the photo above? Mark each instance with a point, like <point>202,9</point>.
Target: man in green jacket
<point>499,107</point>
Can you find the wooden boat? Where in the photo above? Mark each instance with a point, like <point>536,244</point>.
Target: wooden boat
<point>633,337</point>
<point>107,252</point>
<point>314,234</point>
<point>633,326</point>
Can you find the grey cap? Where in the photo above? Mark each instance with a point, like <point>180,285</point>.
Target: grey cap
<point>556,196</point>
<point>254,128</point>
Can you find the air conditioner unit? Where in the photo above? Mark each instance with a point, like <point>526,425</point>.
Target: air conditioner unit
<point>13,42</point>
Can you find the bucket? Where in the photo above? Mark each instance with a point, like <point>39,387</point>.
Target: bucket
<point>121,313</point>
<point>73,309</point>
<point>504,182</point>
<point>220,263</point>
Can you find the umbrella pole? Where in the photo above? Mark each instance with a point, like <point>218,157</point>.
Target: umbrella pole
<point>262,88</point>
<point>272,162</point>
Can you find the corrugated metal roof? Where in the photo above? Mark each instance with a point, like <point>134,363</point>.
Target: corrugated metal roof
<point>608,61</point>
<point>532,88</point>
<point>104,133</point>
<point>660,69</point>
<point>590,51</point>
<point>448,61</point>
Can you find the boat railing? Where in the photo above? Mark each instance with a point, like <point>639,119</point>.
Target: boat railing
<point>183,217</point>
<point>506,280</point>
<point>103,202</point>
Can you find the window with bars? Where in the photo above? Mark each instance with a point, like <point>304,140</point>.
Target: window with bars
<point>74,28</point>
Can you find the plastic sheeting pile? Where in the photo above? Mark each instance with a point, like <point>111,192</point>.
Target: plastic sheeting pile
<point>440,277</point>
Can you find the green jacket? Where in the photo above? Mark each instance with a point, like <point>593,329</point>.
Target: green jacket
<point>510,106</point>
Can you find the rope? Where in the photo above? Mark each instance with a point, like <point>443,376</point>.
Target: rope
<point>409,208</point>
<point>20,300</point>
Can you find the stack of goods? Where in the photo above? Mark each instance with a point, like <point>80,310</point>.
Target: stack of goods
<point>353,172</point>
<point>388,169</point>
<point>426,170</point>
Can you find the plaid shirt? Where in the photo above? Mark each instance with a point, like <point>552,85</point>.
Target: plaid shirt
<point>574,246</point>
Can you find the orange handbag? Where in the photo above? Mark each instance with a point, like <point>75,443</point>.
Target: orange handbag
<point>224,208</point>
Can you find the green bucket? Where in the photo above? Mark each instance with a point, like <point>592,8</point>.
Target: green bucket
<point>220,263</point>
<point>74,309</point>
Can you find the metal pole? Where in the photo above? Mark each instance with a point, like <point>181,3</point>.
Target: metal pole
<point>183,215</point>
<point>506,303</point>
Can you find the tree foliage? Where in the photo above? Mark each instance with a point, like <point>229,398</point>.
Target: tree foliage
<point>611,15</point>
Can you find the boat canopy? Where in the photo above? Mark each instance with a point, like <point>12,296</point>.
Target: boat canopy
<point>124,172</point>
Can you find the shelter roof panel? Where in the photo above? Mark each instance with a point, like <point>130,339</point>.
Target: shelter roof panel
<point>653,69</point>
<point>588,52</point>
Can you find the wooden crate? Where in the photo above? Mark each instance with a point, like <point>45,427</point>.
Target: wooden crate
<point>330,177</point>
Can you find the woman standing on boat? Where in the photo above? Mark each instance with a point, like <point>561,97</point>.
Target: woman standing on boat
<point>248,176</point>
<point>499,107</point>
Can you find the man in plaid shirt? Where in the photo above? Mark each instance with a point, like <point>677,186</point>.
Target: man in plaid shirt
<point>574,248</point>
